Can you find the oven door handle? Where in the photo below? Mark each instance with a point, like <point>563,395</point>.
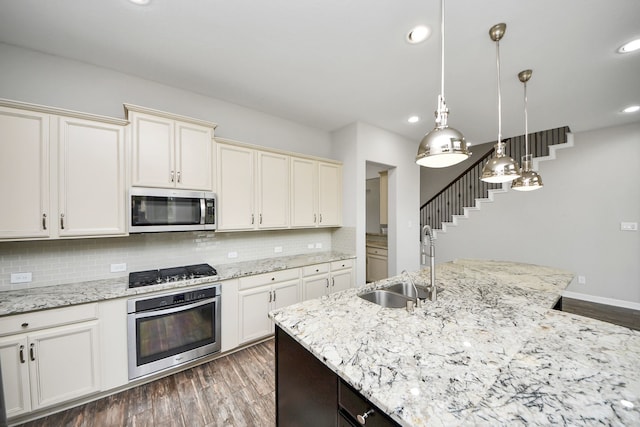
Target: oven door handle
<point>170,310</point>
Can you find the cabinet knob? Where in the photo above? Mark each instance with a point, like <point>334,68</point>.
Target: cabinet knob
<point>25,325</point>
<point>362,419</point>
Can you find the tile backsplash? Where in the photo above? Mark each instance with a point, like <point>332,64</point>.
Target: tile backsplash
<point>54,262</point>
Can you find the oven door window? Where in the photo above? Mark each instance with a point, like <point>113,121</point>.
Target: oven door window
<point>150,211</point>
<point>167,334</point>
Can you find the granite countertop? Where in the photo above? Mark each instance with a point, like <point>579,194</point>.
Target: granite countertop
<point>489,351</point>
<point>40,298</point>
<point>377,240</point>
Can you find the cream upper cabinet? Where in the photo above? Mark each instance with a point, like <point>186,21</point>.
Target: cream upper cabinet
<point>170,151</point>
<point>91,180</point>
<point>316,193</point>
<point>62,175</point>
<point>253,188</point>
<point>24,174</point>
<point>235,178</point>
<point>273,190</point>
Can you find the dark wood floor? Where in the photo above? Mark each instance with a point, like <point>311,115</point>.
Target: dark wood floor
<point>607,313</point>
<point>235,390</point>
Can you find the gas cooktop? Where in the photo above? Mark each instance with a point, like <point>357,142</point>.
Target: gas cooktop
<point>153,277</point>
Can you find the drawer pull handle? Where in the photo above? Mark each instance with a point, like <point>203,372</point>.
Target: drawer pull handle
<point>25,325</point>
<point>32,352</point>
<point>21,354</point>
<point>362,419</point>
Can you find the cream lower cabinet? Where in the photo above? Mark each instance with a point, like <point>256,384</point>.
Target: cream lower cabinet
<point>323,279</point>
<point>49,366</point>
<point>260,294</point>
<point>376,264</point>
<point>60,176</point>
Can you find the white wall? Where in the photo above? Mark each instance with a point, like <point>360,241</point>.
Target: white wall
<point>357,144</point>
<point>34,77</point>
<point>572,223</point>
<point>38,78</point>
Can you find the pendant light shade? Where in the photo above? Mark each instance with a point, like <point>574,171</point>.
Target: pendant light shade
<point>530,180</point>
<point>443,146</point>
<point>500,168</point>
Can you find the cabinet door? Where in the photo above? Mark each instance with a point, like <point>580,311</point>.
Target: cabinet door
<point>24,174</point>
<point>15,375</point>
<point>64,363</point>
<point>315,286</point>
<point>254,313</point>
<point>194,157</point>
<point>304,192</point>
<point>285,294</point>
<point>341,280</point>
<point>235,188</point>
<point>92,192</point>
<point>329,194</point>
<point>376,268</point>
<point>152,151</point>
<point>273,190</point>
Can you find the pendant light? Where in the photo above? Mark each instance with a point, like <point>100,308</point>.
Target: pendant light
<point>443,146</point>
<point>530,180</point>
<point>500,168</point>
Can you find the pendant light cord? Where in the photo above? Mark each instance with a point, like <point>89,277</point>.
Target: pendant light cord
<point>442,50</point>
<point>500,144</point>
<point>526,122</point>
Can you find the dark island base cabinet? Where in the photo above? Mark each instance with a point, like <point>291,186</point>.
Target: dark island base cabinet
<point>310,394</point>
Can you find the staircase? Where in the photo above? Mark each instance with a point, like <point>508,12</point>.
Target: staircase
<point>467,192</point>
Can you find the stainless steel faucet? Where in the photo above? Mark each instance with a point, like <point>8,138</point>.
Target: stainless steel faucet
<point>427,232</point>
<point>418,302</point>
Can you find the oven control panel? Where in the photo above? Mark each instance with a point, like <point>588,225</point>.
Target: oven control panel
<point>172,299</point>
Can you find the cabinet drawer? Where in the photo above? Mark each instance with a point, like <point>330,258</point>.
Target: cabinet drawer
<point>27,322</point>
<point>311,270</point>
<point>342,264</point>
<point>376,251</point>
<point>267,278</point>
<point>353,404</point>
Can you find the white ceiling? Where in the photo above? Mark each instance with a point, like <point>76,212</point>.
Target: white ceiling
<point>329,63</point>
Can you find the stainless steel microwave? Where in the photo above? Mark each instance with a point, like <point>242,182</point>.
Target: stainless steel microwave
<point>153,210</point>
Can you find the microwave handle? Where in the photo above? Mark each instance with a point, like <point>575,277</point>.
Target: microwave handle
<point>203,209</point>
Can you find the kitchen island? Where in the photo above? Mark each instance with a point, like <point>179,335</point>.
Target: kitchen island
<point>489,351</point>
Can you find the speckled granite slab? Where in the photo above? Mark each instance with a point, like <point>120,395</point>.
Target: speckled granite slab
<point>20,301</point>
<point>465,359</point>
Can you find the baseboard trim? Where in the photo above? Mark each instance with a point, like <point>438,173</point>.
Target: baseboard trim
<point>602,300</point>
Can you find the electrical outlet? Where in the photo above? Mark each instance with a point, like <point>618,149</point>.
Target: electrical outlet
<point>629,226</point>
<point>277,249</point>
<point>310,246</point>
<point>318,245</point>
<point>20,277</point>
<point>582,280</point>
<point>232,255</point>
<point>116,268</point>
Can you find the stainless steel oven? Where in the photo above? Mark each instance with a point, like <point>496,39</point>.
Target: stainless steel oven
<point>172,329</point>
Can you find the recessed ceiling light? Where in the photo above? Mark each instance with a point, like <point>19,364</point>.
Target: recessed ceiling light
<point>413,119</point>
<point>418,34</point>
<point>631,109</point>
<point>629,47</point>
<point>140,2</point>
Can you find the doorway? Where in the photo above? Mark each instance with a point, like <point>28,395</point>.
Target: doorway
<point>377,208</point>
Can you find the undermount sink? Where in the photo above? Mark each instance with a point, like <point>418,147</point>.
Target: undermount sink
<point>406,289</point>
<point>387,299</point>
<point>396,295</point>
